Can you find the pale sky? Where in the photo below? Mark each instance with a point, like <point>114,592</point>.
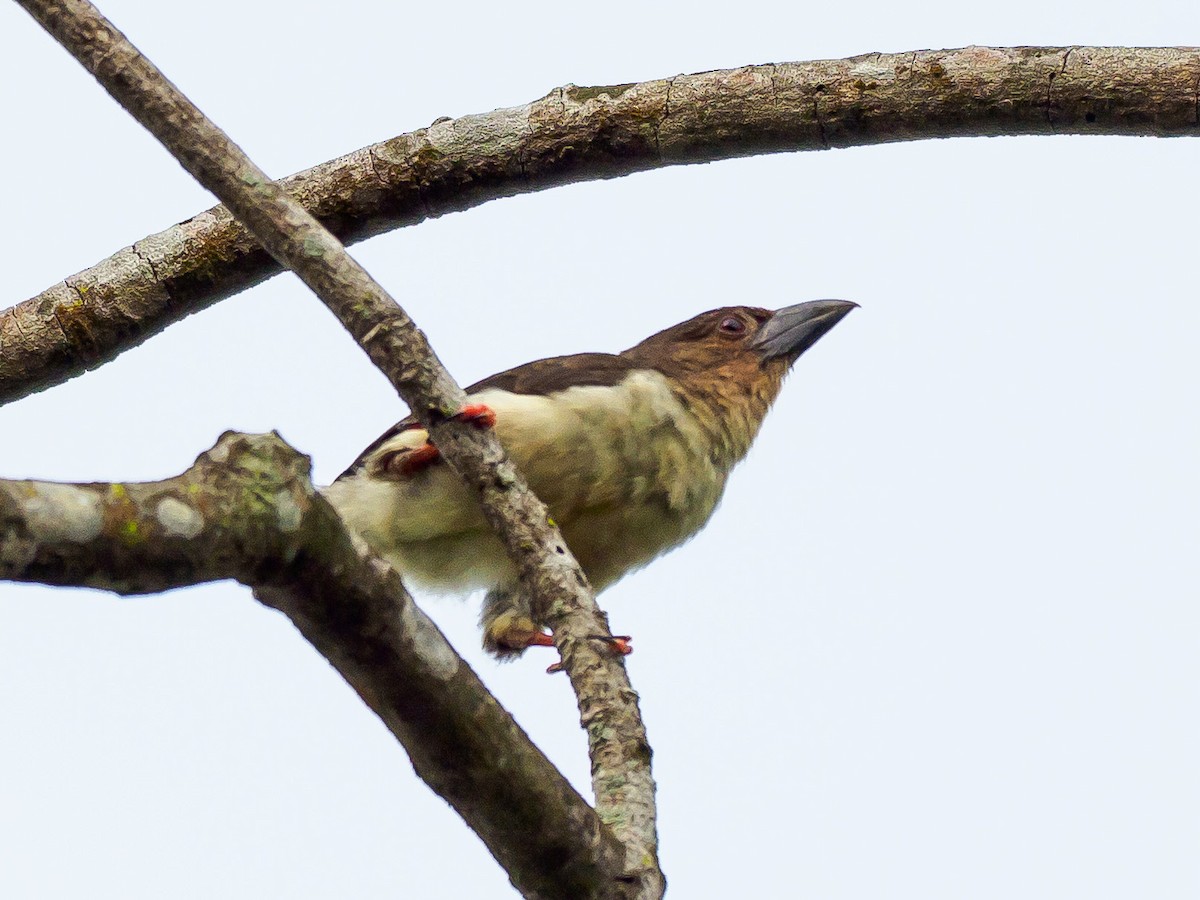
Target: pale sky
<point>939,642</point>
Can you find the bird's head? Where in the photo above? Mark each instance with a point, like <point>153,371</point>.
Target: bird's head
<point>745,340</point>
<point>729,364</point>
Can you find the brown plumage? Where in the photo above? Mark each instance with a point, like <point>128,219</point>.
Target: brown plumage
<point>630,451</point>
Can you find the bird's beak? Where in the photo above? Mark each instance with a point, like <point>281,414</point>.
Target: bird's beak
<point>793,329</point>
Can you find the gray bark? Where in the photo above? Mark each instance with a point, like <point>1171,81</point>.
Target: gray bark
<point>587,133</point>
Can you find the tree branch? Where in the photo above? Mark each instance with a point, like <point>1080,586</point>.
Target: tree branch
<point>617,742</point>
<point>247,510</point>
<point>587,133</point>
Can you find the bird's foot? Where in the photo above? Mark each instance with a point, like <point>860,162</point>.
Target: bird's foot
<point>618,645</point>
<point>418,459</point>
<point>478,414</point>
<point>510,633</point>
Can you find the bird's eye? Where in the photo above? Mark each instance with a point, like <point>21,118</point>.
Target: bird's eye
<point>732,325</point>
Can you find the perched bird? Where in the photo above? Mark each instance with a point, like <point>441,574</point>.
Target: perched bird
<point>630,451</point>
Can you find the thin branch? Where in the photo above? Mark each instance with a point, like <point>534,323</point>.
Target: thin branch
<point>617,744</point>
<point>247,510</point>
<point>587,133</point>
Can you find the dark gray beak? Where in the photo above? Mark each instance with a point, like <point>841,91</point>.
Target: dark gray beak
<point>794,329</point>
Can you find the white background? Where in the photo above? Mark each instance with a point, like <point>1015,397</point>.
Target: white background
<point>940,641</point>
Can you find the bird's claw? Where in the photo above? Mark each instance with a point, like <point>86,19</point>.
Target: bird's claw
<point>618,644</point>
<point>478,414</point>
<point>511,632</point>
<point>418,459</point>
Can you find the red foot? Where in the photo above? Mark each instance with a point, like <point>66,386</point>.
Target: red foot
<point>410,462</point>
<point>478,414</point>
<point>517,636</point>
<point>418,459</point>
<point>618,644</point>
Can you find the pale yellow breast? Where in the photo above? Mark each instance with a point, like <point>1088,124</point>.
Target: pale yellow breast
<point>626,471</point>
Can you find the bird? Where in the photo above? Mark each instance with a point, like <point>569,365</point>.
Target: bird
<point>630,452</point>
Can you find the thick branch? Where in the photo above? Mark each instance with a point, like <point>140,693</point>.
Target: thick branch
<point>247,510</point>
<point>617,743</point>
<point>586,133</point>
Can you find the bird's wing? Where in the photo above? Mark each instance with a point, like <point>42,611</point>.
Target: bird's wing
<point>545,376</point>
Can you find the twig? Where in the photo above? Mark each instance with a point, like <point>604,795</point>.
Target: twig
<point>608,707</point>
<point>586,133</point>
<point>247,510</point>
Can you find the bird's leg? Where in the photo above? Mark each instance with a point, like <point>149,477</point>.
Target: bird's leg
<point>508,625</point>
<point>478,414</point>
<point>618,644</point>
<point>410,462</point>
<point>418,459</point>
